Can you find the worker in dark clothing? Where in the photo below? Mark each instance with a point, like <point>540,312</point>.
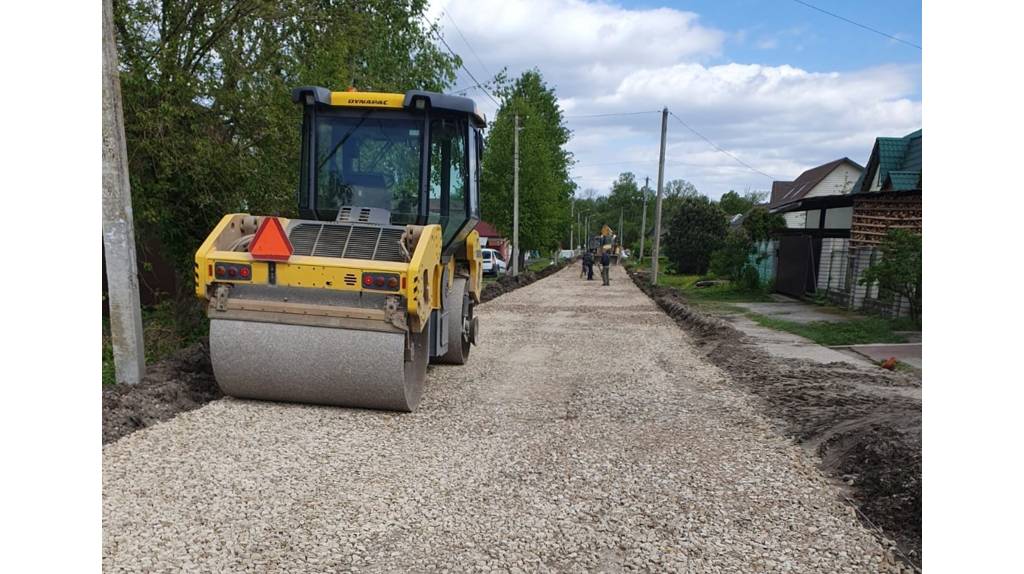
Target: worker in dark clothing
<point>605,262</point>
<point>588,263</point>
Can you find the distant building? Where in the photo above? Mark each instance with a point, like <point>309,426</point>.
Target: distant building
<point>840,232</point>
<point>833,178</point>
<point>491,238</point>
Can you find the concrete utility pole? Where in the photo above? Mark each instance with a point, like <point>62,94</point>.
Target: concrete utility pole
<point>572,213</point>
<point>657,202</point>
<point>515,202</point>
<point>643,220</point>
<point>578,230</point>
<point>622,234</point>
<point>118,233</point>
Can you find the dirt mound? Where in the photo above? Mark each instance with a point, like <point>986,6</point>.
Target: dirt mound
<point>185,381</point>
<point>865,425</point>
<point>180,383</point>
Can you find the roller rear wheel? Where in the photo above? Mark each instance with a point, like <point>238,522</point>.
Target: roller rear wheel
<point>460,323</point>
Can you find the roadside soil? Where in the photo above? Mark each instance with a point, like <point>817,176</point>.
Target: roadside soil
<point>185,380</point>
<point>179,383</point>
<point>865,425</point>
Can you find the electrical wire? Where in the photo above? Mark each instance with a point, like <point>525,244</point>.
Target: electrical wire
<point>462,64</point>
<point>461,35</point>
<point>613,114</point>
<point>847,20</point>
<point>719,149</point>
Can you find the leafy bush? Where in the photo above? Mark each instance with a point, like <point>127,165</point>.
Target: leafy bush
<point>734,255</point>
<point>749,278</point>
<point>899,270</point>
<point>696,229</point>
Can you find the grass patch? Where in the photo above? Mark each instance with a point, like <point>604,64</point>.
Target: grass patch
<point>724,293</point>
<point>538,265</point>
<point>829,333</point>
<point>164,331</point>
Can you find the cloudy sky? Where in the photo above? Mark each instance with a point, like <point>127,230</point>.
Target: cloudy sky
<point>779,85</point>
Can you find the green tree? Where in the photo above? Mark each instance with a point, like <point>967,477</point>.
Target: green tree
<point>209,121</point>
<point>733,203</point>
<point>545,189</point>
<point>760,224</point>
<point>899,271</point>
<point>673,194</point>
<point>695,230</point>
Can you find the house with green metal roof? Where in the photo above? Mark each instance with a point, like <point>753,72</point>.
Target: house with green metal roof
<point>842,232</point>
<point>894,165</point>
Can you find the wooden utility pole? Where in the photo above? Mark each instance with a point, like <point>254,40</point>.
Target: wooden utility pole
<point>515,202</point>
<point>657,202</point>
<point>643,220</point>
<point>118,233</point>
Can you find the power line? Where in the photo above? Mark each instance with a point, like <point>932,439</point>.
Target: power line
<point>614,114</point>
<point>869,28</point>
<point>714,145</point>
<point>629,161</point>
<point>477,56</point>
<point>462,64</point>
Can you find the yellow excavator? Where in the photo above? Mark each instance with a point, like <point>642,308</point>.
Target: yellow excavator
<point>608,241</point>
<point>378,276</point>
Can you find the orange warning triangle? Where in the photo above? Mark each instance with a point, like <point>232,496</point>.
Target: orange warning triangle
<point>271,242</point>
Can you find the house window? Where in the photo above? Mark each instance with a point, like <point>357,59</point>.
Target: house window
<point>813,219</point>
<point>839,218</point>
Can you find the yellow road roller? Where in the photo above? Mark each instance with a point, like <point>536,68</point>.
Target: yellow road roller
<point>377,277</point>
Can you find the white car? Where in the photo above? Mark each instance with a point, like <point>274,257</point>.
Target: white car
<point>493,263</point>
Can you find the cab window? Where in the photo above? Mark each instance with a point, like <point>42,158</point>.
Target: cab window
<point>449,175</point>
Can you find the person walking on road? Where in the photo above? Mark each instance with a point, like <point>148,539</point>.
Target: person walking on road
<point>588,263</point>
<point>606,260</point>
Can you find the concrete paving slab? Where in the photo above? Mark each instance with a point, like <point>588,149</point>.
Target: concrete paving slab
<point>793,310</point>
<point>790,346</point>
<point>909,353</point>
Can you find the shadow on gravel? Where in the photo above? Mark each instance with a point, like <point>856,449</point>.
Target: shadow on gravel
<point>185,381</point>
<point>865,426</point>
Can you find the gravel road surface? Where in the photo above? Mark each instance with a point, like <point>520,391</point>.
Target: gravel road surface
<point>584,435</point>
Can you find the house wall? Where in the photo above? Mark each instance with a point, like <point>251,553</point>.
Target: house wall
<point>840,181</point>
<point>500,244</point>
<point>795,219</point>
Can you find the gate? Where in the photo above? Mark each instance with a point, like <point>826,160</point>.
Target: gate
<point>797,269</point>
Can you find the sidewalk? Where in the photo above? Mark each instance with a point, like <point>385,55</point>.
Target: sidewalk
<point>789,345</point>
<point>909,353</point>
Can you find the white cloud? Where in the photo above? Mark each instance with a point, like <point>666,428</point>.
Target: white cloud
<point>603,58</point>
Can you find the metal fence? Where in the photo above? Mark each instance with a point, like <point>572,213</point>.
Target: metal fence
<point>839,280</point>
<point>764,259</point>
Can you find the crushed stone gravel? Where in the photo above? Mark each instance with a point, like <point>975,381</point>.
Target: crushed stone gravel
<point>585,434</point>
<point>864,423</point>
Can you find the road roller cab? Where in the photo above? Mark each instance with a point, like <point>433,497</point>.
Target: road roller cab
<point>380,272</point>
